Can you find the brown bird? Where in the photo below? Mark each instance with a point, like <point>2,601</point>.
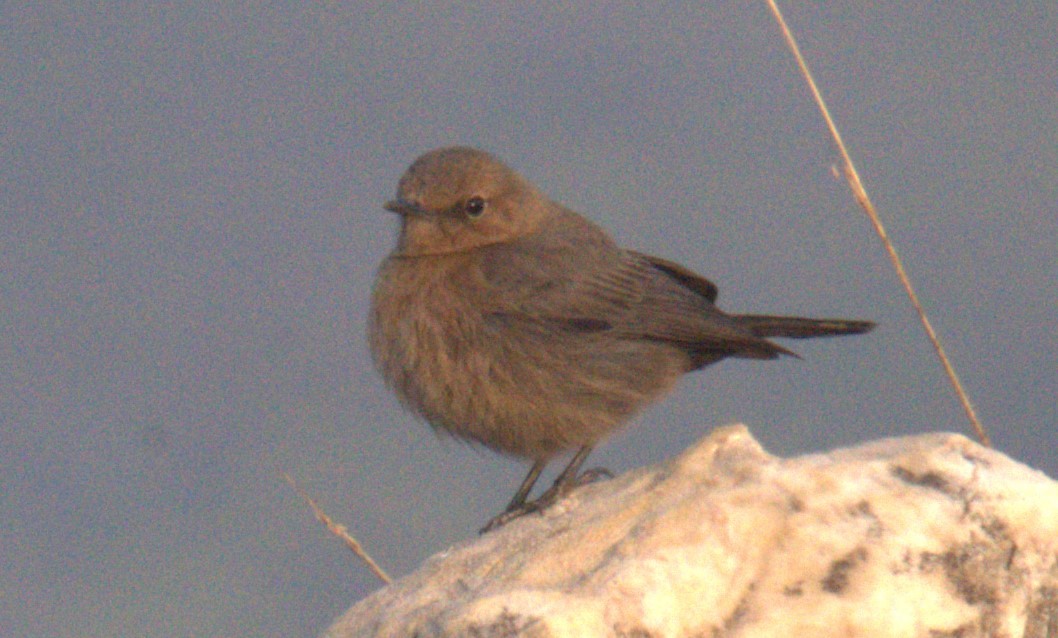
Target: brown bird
<point>504,318</point>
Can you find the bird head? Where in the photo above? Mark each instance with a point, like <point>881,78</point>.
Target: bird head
<point>457,199</point>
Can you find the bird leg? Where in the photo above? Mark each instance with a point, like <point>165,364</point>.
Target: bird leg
<point>527,486</point>
<point>566,481</point>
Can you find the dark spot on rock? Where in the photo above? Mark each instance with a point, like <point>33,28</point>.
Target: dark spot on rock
<point>739,614</point>
<point>508,625</point>
<point>959,632</point>
<point>931,480</point>
<point>837,579</point>
<point>996,528</point>
<point>1041,621</point>
<point>863,510</point>
<point>974,571</point>
<point>928,562</point>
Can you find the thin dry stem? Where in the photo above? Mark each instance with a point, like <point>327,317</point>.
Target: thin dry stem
<point>858,191</point>
<point>340,531</point>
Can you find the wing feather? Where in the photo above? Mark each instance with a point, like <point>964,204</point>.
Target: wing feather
<point>591,286</point>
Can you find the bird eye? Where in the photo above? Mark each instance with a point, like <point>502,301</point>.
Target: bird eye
<point>474,207</point>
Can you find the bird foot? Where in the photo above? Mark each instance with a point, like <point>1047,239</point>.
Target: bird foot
<point>559,490</point>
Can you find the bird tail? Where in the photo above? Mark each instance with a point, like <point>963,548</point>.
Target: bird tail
<point>801,328</point>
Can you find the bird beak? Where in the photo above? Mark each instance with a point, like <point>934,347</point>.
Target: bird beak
<point>404,207</point>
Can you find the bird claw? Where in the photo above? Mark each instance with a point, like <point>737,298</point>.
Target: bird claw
<point>506,517</point>
<point>593,475</point>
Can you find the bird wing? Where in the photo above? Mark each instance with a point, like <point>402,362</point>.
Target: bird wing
<point>591,286</point>
<point>688,278</point>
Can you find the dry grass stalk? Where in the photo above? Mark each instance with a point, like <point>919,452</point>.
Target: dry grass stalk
<point>858,191</point>
<point>340,531</point>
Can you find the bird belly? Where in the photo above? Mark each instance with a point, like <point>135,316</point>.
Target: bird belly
<point>517,387</point>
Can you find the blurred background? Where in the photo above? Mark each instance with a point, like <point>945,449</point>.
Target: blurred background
<point>191,206</point>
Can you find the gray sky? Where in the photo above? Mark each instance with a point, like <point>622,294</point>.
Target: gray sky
<point>191,209</point>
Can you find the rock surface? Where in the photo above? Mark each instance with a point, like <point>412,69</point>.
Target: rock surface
<point>930,535</point>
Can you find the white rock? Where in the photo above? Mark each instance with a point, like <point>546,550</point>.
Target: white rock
<point>930,535</point>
